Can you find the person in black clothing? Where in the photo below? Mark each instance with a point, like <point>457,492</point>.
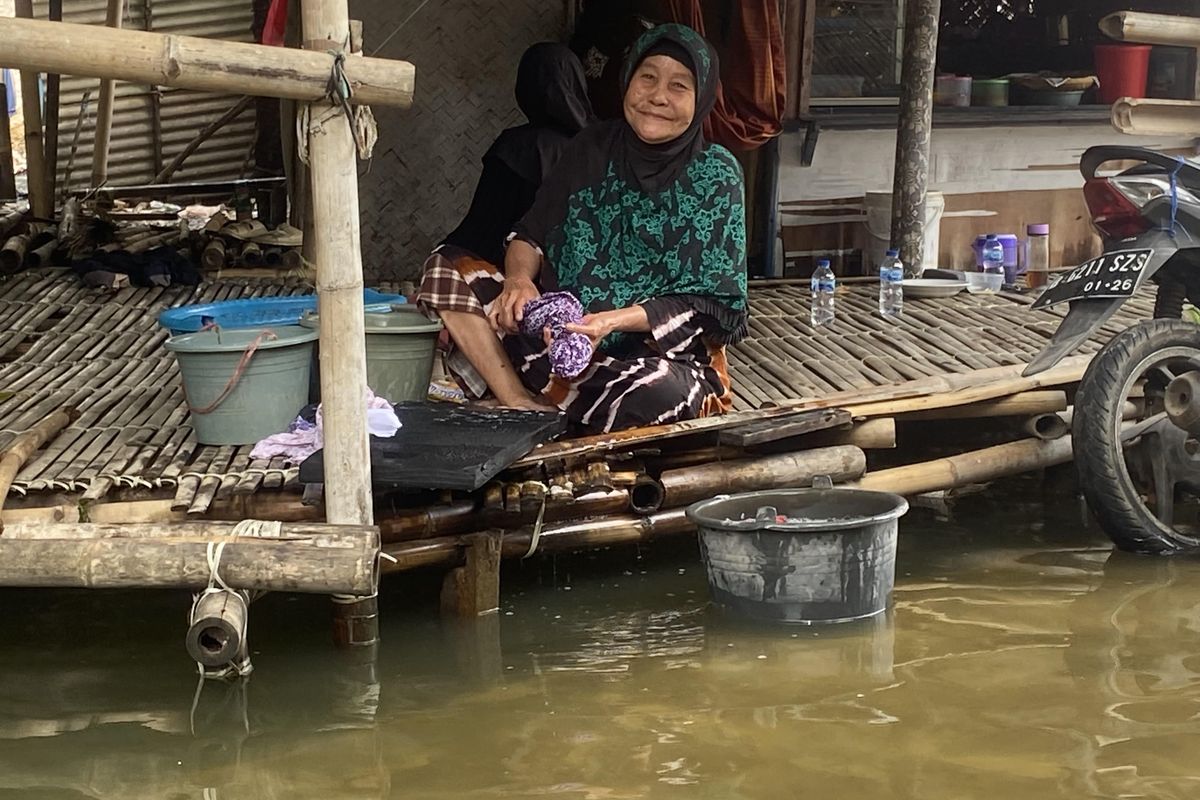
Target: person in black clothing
<point>552,93</point>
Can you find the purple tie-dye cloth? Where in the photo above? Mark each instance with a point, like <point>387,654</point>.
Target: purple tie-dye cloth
<point>570,353</point>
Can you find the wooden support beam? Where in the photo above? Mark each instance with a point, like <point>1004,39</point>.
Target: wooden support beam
<point>473,589</point>
<point>104,107</point>
<point>1040,401</point>
<point>200,138</point>
<point>190,62</point>
<point>31,105</point>
<point>915,128</point>
<point>799,31</point>
<point>25,445</point>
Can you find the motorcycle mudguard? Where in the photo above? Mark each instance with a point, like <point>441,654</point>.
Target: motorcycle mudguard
<point>1087,315</point>
<point>1075,329</point>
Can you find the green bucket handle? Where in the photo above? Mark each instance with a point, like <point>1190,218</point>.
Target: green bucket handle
<point>239,370</point>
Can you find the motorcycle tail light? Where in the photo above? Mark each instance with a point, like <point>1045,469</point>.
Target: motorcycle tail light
<point>1113,212</point>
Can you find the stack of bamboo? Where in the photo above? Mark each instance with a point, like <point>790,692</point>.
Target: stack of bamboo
<point>911,438</point>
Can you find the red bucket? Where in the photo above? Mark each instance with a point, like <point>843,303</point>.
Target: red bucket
<point>1122,70</point>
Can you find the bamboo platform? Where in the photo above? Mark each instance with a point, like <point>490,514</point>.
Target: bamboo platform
<point>101,354</point>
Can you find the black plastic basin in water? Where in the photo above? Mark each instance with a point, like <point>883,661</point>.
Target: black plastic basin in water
<point>831,559</point>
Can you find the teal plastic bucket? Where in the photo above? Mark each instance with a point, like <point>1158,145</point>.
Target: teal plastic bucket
<point>400,350</point>
<point>244,385</point>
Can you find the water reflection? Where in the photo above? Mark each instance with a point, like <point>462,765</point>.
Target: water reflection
<point>1009,666</point>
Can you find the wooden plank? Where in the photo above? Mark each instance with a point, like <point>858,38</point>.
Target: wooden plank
<point>773,430</point>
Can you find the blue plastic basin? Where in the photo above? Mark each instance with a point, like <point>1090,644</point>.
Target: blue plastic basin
<point>258,312</point>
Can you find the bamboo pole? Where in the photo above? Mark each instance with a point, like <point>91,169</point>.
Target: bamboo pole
<point>203,136</point>
<point>333,169</point>
<point>53,92</point>
<point>977,466</point>
<point>12,254</point>
<point>915,129</point>
<point>25,446</point>
<point>293,564</point>
<point>1043,401</point>
<point>448,551</point>
<point>1140,117</point>
<point>190,62</point>
<point>790,471</point>
<point>104,108</point>
<point>31,104</point>
<point>1145,28</point>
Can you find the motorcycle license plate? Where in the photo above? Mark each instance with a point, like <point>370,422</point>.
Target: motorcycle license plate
<point>1115,274</point>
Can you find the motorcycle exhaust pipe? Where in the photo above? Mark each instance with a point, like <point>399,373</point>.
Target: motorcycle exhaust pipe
<point>1182,402</point>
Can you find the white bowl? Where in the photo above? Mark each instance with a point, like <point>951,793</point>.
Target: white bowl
<point>932,287</point>
<point>984,282</point>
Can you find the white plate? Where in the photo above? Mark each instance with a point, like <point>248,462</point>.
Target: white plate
<point>932,287</point>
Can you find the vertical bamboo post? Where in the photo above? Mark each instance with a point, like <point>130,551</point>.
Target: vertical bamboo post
<point>31,105</point>
<point>53,88</point>
<point>8,178</point>
<point>333,169</point>
<point>913,135</point>
<point>104,110</point>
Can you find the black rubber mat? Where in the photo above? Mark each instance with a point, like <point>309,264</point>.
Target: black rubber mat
<point>445,446</point>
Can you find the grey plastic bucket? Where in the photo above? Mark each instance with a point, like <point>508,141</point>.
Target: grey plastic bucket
<point>400,349</point>
<point>833,560</point>
<point>262,398</point>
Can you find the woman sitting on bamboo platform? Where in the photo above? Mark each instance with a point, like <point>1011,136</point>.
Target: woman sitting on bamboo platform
<point>551,92</point>
<point>643,222</point>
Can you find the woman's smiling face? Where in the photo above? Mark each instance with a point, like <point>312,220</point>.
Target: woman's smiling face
<point>661,100</point>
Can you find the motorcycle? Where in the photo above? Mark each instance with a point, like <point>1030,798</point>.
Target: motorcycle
<point>1136,423</point>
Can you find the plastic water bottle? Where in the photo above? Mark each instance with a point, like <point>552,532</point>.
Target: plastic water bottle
<point>823,285</point>
<point>993,256</point>
<point>891,285</point>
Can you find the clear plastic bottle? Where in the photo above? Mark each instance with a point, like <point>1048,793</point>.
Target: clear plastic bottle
<point>993,263</point>
<point>891,285</point>
<point>824,284</point>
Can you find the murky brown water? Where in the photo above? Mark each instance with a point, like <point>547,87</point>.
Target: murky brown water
<point>1022,660</point>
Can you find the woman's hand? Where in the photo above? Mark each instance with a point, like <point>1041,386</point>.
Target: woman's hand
<point>596,326</point>
<point>509,308</point>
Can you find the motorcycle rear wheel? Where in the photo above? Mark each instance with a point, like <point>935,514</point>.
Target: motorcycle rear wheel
<point>1132,473</point>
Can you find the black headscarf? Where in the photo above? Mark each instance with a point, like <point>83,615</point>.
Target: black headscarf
<point>622,222</point>
<point>655,166</point>
<point>551,92</point>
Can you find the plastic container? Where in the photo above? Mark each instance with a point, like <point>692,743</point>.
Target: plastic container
<point>806,556</point>
<point>400,352</point>
<point>1037,255</point>
<point>246,384</point>
<point>877,207</point>
<point>1054,97</point>
<point>991,92</point>
<point>257,312</point>
<point>823,288</point>
<point>891,286</point>
<point>984,282</point>
<point>952,90</point>
<point>1123,70</point>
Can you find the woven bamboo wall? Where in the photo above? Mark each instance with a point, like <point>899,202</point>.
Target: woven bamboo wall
<point>427,159</point>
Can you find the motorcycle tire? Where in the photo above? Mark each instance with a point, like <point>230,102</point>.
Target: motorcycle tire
<point>1099,453</point>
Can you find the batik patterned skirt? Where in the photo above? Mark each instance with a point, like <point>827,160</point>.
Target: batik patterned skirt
<point>671,374</point>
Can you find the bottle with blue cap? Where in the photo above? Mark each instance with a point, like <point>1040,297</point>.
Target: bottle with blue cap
<point>824,284</point>
<point>891,285</point>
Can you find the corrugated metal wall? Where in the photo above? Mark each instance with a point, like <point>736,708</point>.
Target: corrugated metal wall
<point>134,155</point>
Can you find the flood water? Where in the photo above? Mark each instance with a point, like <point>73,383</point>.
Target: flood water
<point>1022,660</point>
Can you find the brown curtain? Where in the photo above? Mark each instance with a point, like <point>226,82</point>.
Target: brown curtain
<point>753,92</point>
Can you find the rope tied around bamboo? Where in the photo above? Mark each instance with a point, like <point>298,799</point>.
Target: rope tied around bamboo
<point>339,92</point>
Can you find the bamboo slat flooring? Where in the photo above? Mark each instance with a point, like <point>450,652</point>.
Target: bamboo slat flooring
<point>786,359</point>
<point>62,344</point>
